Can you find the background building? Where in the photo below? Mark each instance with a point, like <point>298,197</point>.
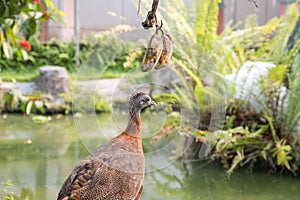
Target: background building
<point>98,15</point>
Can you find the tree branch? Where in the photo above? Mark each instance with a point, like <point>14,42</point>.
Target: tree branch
<point>254,1</point>
<point>151,16</point>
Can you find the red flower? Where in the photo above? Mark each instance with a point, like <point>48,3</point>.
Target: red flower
<point>25,44</point>
<point>36,1</point>
<point>35,99</point>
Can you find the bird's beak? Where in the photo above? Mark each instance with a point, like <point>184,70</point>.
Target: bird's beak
<point>153,103</point>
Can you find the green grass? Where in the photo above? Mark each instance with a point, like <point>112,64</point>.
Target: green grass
<point>11,75</point>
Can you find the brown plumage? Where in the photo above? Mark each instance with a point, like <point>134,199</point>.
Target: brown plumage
<point>115,170</point>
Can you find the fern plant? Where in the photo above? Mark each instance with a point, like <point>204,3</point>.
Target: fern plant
<point>206,24</point>
<point>280,105</point>
<point>202,58</point>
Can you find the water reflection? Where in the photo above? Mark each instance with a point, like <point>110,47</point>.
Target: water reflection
<point>210,183</point>
<point>38,168</point>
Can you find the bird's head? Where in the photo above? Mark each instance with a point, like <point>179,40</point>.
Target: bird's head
<point>139,101</point>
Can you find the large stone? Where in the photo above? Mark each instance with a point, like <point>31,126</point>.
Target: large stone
<point>163,80</point>
<point>53,80</point>
<point>246,83</point>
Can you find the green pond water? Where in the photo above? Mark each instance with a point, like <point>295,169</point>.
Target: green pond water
<point>38,158</point>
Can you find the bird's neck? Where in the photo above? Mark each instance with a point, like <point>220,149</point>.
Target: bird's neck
<point>134,125</point>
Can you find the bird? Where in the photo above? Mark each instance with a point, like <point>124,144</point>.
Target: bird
<point>114,170</point>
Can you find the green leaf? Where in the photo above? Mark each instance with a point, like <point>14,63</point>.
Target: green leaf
<point>24,54</point>
<point>39,119</point>
<point>3,9</point>
<point>236,160</point>
<point>8,32</point>
<point>29,107</point>
<point>283,154</point>
<point>42,110</point>
<point>206,23</point>
<point>277,73</point>
<point>264,155</point>
<point>32,26</point>
<point>19,54</point>
<point>9,98</point>
<point>23,107</point>
<point>7,50</point>
<point>64,56</point>
<point>260,131</point>
<point>199,94</point>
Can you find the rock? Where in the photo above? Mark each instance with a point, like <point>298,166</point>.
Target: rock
<point>25,88</point>
<point>14,96</point>
<point>246,83</point>
<point>163,80</point>
<point>53,80</point>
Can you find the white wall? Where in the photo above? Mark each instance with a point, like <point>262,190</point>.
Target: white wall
<point>238,10</point>
<point>94,16</point>
<point>97,15</point>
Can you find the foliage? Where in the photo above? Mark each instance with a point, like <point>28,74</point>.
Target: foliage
<point>12,75</point>
<point>170,102</point>
<point>53,52</point>
<point>19,20</point>
<point>166,98</point>
<point>280,112</point>
<point>40,119</point>
<point>281,89</point>
<point>247,137</point>
<point>276,144</point>
<point>102,107</point>
<point>206,23</point>
<point>7,190</point>
<point>13,100</point>
<point>81,104</point>
<point>10,195</point>
<point>110,51</point>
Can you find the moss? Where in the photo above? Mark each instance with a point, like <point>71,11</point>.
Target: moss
<point>102,107</point>
<point>173,119</point>
<point>12,74</point>
<point>170,102</point>
<point>166,98</point>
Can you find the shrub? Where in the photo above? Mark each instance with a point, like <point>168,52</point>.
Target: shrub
<point>248,137</point>
<point>108,48</point>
